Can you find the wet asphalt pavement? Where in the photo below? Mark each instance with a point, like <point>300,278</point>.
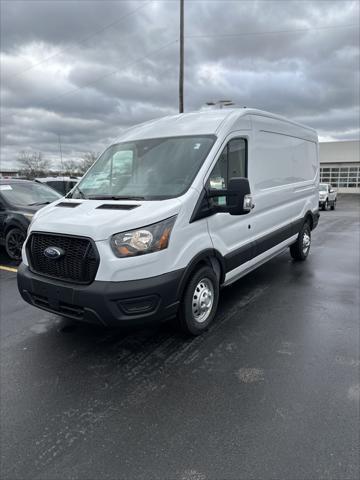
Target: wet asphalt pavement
<point>271,391</point>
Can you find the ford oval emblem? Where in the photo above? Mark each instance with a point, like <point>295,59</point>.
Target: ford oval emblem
<point>53,252</point>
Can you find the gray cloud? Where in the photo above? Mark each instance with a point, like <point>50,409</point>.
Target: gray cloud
<point>87,70</point>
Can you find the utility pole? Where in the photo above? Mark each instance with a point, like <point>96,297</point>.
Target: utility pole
<point>181,69</point>
<point>61,157</point>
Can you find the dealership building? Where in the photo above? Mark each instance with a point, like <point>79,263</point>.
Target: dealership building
<point>340,165</point>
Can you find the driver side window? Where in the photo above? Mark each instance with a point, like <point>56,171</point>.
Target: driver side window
<point>122,162</point>
<point>231,163</point>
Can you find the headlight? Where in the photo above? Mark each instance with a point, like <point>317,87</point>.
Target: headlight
<point>152,238</point>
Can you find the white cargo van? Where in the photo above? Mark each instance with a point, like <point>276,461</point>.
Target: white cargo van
<point>174,210</point>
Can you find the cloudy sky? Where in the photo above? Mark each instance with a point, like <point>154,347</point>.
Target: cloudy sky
<point>85,70</point>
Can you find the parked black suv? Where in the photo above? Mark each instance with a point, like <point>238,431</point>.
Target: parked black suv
<point>19,200</point>
<point>62,185</point>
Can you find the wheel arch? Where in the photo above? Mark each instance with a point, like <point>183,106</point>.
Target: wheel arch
<point>209,257</point>
<point>309,217</point>
<point>12,223</point>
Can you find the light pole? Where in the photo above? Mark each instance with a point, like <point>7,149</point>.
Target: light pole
<point>61,157</point>
<point>181,66</point>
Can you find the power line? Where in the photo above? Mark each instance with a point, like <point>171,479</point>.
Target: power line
<point>243,34</point>
<point>69,92</point>
<point>106,75</point>
<point>79,42</point>
<point>215,35</point>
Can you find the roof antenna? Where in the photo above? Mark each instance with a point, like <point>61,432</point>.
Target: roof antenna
<point>220,103</point>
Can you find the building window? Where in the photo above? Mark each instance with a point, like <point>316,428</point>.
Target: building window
<point>343,177</point>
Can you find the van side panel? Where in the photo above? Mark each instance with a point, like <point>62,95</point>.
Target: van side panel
<point>283,173</point>
<point>281,160</point>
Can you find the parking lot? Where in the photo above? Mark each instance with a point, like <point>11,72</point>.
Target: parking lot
<point>271,391</point>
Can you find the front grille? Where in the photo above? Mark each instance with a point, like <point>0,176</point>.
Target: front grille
<point>79,263</point>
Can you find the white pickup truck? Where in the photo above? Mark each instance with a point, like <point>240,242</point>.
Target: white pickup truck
<point>327,196</point>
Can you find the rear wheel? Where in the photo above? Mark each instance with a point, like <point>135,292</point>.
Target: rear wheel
<point>13,243</point>
<point>300,249</point>
<point>199,303</point>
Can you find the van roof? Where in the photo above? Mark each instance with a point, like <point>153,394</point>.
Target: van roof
<point>202,122</point>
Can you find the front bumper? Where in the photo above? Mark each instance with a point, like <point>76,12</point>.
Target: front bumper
<point>107,303</point>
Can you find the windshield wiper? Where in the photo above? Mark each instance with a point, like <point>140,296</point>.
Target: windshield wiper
<point>114,197</point>
<point>38,203</point>
<point>82,194</point>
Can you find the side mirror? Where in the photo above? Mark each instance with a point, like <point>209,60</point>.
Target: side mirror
<point>238,198</point>
<point>239,201</point>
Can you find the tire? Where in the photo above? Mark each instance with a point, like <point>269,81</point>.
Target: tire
<point>326,205</point>
<point>300,249</point>
<point>333,206</point>
<point>14,240</point>
<point>199,303</point>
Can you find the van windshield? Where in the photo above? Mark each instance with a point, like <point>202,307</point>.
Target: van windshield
<point>323,187</point>
<point>145,169</point>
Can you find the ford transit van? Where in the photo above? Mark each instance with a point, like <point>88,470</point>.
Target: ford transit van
<point>175,209</point>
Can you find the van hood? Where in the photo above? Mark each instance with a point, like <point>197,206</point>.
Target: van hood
<point>99,219</point>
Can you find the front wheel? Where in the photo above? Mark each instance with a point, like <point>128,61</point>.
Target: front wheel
<point>13,243</point>
<point>199,303</point>
<point>300,249</point>
<point>333,205</point>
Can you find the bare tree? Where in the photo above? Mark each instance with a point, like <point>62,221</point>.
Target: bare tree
<point>87,160</point>
<point>33,164</point>
<point>78,167</point>
<point>72,168</point>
